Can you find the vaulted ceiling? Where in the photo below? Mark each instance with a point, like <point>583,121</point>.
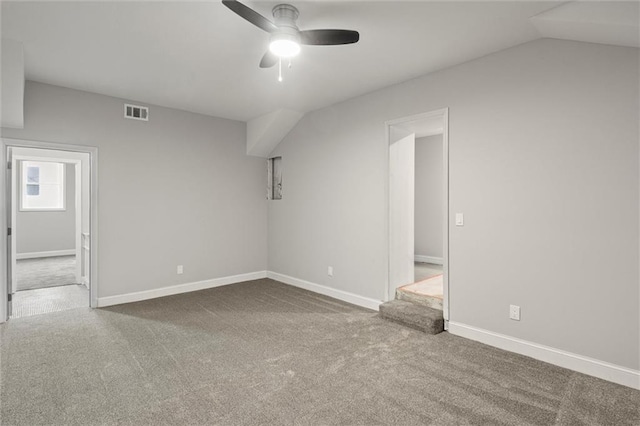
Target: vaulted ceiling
<point>200,57</point>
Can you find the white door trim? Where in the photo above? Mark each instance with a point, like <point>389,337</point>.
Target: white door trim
<point>444,113</point>
<point>93,216</point>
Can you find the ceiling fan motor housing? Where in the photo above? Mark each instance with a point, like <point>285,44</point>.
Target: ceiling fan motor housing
<point>285,16</point>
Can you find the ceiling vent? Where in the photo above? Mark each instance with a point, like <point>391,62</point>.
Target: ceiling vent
<point>136,112</point>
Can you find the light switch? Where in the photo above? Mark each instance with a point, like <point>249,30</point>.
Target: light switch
<point>459,219</point>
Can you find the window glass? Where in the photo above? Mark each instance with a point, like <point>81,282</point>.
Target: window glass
<point>42,186</point>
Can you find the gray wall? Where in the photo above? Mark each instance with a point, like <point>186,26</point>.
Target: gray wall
<point>544,165</point>
<point>178,189</point>
<point>49,231</point>
<point>429,196</point>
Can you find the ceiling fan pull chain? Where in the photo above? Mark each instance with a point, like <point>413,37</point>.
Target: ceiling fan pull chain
<point>280,70</point>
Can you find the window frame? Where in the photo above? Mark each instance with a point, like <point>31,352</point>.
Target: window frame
<point>21,176</point>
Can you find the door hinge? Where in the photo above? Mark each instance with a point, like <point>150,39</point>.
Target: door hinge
<point>9,165</point>
<point>9,297</point>
<point>9,232</point>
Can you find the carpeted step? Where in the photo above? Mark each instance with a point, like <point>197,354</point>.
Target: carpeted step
<point>434,302</point>
<point>412,315</point>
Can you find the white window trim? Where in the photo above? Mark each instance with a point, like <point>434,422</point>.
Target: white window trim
<point>36,209</point>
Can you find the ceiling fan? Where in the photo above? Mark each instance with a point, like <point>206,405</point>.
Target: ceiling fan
<point>286,38</point>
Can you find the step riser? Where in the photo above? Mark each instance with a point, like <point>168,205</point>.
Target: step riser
<point>425,319</point>
<point>434,328</point>
<point>420,299</point>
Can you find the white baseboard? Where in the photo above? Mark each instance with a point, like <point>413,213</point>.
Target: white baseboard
<point>51,253</point>
<point>428,259</point>
<point>582,364</point>
<point>217,282</point>
<point>177,289</point>
<point>345,296</point>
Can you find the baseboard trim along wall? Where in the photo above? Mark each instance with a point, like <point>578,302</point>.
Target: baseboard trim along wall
<point>345,296</point>
<point>52,253</point>
<point>592,367</point>
<point>178,289</point>
<point>428,259</point>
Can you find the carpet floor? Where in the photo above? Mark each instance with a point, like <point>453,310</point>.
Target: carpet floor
<point>52,299</point>
<point>262,352</point>
<point>45,272</point>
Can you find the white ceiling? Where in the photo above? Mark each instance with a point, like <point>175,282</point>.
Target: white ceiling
<point>200,57</point>
<point>605,22</point>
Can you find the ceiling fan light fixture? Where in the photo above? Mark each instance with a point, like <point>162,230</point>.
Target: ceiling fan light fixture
<point>286,37</point>
<point>284,45</point>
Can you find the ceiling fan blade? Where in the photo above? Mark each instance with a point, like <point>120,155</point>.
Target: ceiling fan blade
<point>250,15</point>
<point>268,60</point>
<point>328,37</point>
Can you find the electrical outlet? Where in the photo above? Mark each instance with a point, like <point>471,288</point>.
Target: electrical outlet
<point>330,271</point>
<point>180,269</point>
<point>514,312</point>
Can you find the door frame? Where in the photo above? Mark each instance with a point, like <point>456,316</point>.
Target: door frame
<point>5,195</point>
<point>444,114</point>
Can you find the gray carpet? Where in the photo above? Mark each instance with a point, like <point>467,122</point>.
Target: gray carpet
<point>46,300</point>
<point>262,352</point>
<point>45,272</point>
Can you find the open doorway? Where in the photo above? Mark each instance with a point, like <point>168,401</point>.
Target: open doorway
<point>418,210</point>
<point>50,212</point>
<point>428,286</point>
<point>49,221</point>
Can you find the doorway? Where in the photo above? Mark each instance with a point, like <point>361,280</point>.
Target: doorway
<point>418,209</point>
<point>50,200</point>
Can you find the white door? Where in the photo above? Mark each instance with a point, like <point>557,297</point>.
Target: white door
<point>401,211</point>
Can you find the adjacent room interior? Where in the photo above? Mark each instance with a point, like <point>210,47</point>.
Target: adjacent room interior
<point>429,226</point>
<point>320,212</point>
<point>49,253</point>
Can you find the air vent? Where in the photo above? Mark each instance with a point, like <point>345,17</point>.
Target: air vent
<point>136,112</point>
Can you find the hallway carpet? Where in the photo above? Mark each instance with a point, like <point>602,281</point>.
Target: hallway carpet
<point>262,352</point>
<point>52,299</point>
<point>45,272</point>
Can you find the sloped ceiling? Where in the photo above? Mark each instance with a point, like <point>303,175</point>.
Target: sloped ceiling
<point>604,22</point>
<point>201,57</point>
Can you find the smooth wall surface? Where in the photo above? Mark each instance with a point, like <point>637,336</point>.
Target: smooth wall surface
<point>12,84</point>
<point>176,190</point>
<point>543,164</point>
<point>49,231</point>
<point>429,196</point>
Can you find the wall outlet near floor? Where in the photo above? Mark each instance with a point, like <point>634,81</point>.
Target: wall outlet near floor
<point>180,269</point>
<point>330,271</point>
<point>514,312</point>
